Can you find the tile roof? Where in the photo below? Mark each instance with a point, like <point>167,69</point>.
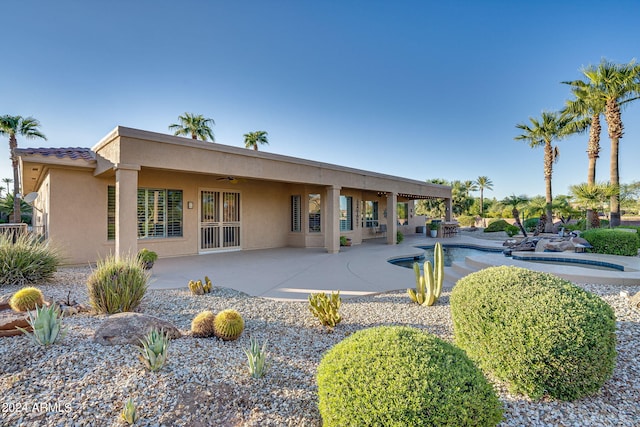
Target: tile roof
<point>73,153</point>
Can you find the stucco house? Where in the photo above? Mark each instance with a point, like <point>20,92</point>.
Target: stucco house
<point>179,196</point>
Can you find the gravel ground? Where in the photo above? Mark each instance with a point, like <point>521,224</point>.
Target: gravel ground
<point>206,383</point>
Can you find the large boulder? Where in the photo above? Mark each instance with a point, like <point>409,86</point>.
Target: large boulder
<point>130,328</point>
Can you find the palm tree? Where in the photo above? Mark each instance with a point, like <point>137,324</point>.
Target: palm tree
<point>8,182</point>
<point>195,125</point>
<point>514,202</point>
<point>587,108</point>
<point>593,196</point>
<point>553,126</point>
<point>481,183</point>
<point>615,85</point>
<point>23,126</point>
<point>252,139</point>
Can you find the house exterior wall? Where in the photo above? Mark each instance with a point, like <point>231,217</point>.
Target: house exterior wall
<point>78,215</point>
<point>75,198</point>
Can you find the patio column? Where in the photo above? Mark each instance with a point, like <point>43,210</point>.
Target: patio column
<point>448,209</point>
<point>126,209</point>
<point>332,225</point>
<point>392,214</point>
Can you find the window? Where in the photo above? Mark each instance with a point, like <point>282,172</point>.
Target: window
<point>346,222</point>
<point>159,213</point>
<point>296,214</point>
<point>111,212</point>
<point>314,213</point>
<point>370,214</point>
<point>403,213</point>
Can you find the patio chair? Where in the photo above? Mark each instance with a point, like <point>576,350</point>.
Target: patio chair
<point>381,229</point>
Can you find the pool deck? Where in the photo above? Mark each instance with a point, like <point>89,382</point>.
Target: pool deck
<point>293,273</point>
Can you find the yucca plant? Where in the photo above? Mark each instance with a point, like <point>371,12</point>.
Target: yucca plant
<point>117,285</point>
<point>129,412</point>
<point>154,350</point>
<point>326,308</point>
<point>257,357</point>
<point>46,324</point>
<point>28,260</point>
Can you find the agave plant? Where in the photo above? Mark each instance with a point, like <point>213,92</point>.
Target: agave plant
<point>154,350</point>
<point>46,324</point>
<point>257,357</point>
<point>129,412</point>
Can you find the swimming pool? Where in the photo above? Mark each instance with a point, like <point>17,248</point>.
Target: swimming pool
<point>452,253</point>
<point>573,262</point>
<point>458,253</point>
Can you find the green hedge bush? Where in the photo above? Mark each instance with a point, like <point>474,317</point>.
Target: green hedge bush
<point>466,220</point>
<point>612,241</point>
<point>530,224</point>
<point>502,225</point>
<point>632,227</point>
<point>539,333</point>
<point>28,260</point>
<point>402,376</point>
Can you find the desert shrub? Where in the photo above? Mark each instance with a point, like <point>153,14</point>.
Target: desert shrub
<point>530,224</point>
<point>117,285</point>
<point>27,261</point>
<point>26,299</point>
<point>502,225</point>
<point>399,237</point>
<point>580,225</point>
<point>538,332</point>
<point>466,220</point>
<point>612,242</point>
<point>402,376</point>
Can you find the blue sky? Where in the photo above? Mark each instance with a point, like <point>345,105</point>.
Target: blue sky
<point>419,89</point>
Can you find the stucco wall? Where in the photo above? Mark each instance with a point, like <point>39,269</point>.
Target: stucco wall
<point>78,215</point>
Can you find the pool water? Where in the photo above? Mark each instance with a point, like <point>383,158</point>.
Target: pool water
<point>451,254</point>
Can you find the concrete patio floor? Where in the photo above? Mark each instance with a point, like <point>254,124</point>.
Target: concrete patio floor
<point>293,273</point>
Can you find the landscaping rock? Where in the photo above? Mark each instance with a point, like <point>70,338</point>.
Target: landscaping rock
<point>10,319</point>
<point>635,301</point>
<point>130,328</point>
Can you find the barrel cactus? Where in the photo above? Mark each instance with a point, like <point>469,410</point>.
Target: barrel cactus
<point>26,299</point>
<point>202,324</point>
<point>228,325</point>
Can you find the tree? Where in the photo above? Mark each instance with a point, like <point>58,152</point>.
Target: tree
<point>482,183</point>
<point>552,126</point>
<point>514,202</point>
<point>593,196</point>
<point>195,125</point>
<point>615,85</point>
<point>23,126</point>
<point>252,139</point>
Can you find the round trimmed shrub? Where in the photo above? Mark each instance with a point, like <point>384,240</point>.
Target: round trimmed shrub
<point>202,324</point>
<point>539,333</point>
<point>26,299</point>
<point>228,325</point>
<point>117,285</point>
<point>402,376</point>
